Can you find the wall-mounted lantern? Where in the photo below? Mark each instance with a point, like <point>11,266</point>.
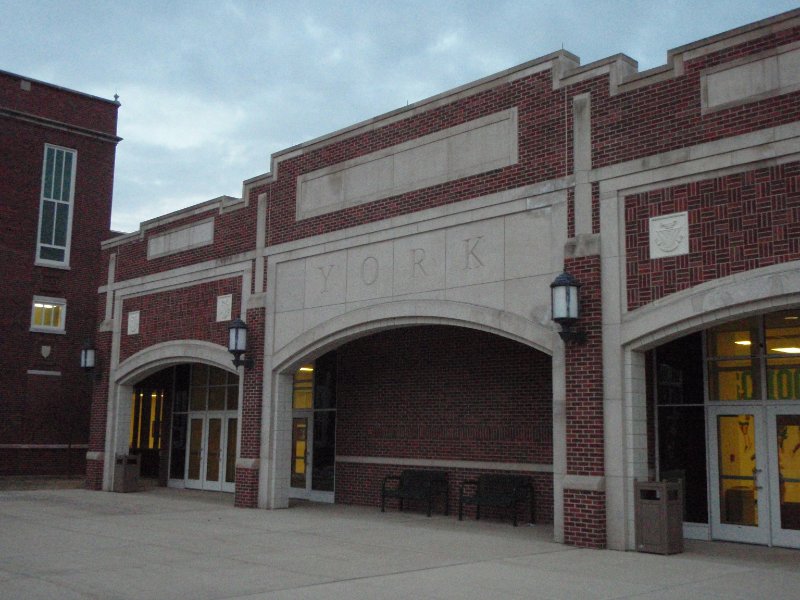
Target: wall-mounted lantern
<point>237,343</point>
<point>566,307</point>
<point>88,354</point>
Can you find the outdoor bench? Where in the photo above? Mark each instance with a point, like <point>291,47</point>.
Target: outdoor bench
<point>504,491</point>
<point>413,484</point>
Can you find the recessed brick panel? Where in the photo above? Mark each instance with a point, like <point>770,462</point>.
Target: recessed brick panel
<point>737,223</point>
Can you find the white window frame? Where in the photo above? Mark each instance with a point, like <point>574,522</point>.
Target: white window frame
<point>47,328</point>
<point>69,202</point>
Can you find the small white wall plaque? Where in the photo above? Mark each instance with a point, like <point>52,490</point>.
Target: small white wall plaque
<point>133,322</point>
<point>224,306</point>
<point>669,235</point>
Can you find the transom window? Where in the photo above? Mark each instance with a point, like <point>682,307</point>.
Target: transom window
<point>755,359</point>
<point>48,314</point>
<point>55,211</point>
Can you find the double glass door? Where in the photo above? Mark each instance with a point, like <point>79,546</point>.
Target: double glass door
<point>755,473</point>
<point>211,451</point>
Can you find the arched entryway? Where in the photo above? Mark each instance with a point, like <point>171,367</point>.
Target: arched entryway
<point>184,426</point>
<point>725,419</point>
<point>439,397</point>
<point>177,405</point>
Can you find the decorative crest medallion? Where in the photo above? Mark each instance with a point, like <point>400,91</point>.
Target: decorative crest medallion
<point>669,235</point>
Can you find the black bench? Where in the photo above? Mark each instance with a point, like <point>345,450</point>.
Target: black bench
<point>504,491</point>
<point>414,484</point>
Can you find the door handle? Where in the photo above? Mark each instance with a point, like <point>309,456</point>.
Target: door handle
<point>755,479</point>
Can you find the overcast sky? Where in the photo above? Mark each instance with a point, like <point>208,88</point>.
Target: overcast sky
<point>209,90</point>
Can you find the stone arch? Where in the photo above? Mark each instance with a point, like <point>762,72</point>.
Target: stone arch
<point>737,296</point>
<point>135,368</point>
<point>733,297</point>
<point>406,313</point>
<point>280,366</point>
<point>166,354</point>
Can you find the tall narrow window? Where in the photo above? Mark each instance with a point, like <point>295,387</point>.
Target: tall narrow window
<point>55,211</point>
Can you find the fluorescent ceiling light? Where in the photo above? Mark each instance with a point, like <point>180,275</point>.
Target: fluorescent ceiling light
<point>743,342</point>
<point>307,369</point>
<point>788,350</point>
<point>792,318</point>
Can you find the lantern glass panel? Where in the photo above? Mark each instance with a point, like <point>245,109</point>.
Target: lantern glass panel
<point>237,341</point>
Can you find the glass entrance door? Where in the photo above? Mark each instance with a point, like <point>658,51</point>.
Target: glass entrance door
<point>313,466</point>
<point>299,453</point>
<point>739,486</point>
<point>313,455</point>
<point>755,474</point>
<point>209,465</point>
<point>783,430</point>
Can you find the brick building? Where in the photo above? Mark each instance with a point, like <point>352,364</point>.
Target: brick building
<point>395,277</point>
<point>57,150</point>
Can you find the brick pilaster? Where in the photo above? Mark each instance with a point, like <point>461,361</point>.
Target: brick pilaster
<point>584,511</point>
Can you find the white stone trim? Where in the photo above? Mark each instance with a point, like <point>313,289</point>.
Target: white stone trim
<point>403,313</point>
<point>760,290</point>
<point>220,204</point>
<point>585,483</point>
<point>582,161</point>
<point>415,164</point>
<point>447,464</point>
<point>248,463</point>
<point>112,270</point>
<point>531,197</point>
<point>751,78</point>
<point>183,238</point>
<point>44,373</point>
<point>91,455</point>
<point>159,356</point>
<point>181,275</point>
<point>635,175</point>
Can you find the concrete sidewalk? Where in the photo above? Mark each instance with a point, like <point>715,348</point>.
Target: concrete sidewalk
<point>163,544</point>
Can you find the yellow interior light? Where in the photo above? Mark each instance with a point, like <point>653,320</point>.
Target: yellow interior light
<point>307,369</point>
<point>743,342</point>
<point>787,350</point>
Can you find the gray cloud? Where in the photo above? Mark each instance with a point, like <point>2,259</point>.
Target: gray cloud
<point>210,89</point>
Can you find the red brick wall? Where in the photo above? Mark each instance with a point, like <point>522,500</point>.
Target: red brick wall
<point>666,116</point>
<point>246,488</point>
<point>441,393</point>
<point>444,393</point>
<point>42,461</point>
<point>737,223</point>
<point>234,233</point>
<point>657,118</point>
<point>54,409</point>
<point>253,387</point>
<point>99,411</point>
<point>58,104</point>
<point>585,519</point>
<point>360,484</point>
<point>541,157</point>
<point>186,313</point>
<point>584,376</point>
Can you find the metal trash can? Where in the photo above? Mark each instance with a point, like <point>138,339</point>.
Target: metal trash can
<point>126,473</point>
<point>659,517</point>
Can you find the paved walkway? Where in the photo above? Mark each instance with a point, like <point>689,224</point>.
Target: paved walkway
<point>164,544</point>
